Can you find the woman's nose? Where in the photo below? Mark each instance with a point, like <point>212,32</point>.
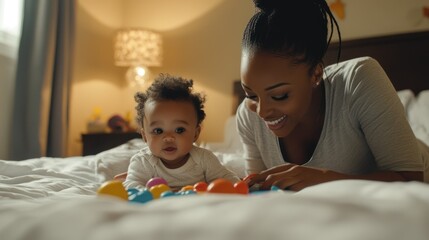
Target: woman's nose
<point>263,109</point>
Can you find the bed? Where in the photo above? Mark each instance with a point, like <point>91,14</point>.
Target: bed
<point>55,198</point>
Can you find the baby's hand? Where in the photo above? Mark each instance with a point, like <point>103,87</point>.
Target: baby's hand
<point>121,176</point>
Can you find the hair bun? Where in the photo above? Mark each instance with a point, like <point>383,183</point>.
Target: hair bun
<point>269,5</point>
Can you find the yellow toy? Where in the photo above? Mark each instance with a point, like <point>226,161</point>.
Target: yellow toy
<point>113,188</point>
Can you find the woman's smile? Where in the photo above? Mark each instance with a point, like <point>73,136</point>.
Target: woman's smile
<point>276,124</point>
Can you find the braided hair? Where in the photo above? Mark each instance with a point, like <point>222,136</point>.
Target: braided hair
<point>295,29</point>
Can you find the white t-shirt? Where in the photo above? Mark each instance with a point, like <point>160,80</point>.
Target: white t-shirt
<point>202,166</point>
<point>365,127</point>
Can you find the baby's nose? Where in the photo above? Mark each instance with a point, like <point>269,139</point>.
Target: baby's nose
<point>169,139</point>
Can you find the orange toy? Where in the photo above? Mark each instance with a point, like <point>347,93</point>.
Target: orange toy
<point>221,185</point>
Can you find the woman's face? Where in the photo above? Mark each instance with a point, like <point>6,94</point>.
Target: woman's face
<point>170,129</point>
<point>279,90</point>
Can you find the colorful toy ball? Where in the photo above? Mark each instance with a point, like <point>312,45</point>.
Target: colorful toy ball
<point>167,194</point>
<point>141,197</point>
<point>241,187</point>
<point>132,191</point>
<point>113,188</point>
<point>158,189</point>
<point>221,185</point>
<point>200,187</point>
<point>155,181</point>
<point>186,188</point>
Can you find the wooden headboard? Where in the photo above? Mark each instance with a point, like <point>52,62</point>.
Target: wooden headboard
<point>404,57</point>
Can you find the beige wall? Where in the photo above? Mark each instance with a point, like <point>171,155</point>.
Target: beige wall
<point>202,41</point>
<point>366,18</point>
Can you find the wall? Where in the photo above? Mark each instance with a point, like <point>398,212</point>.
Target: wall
<point>97,83</point>
<point>202,41</point>
<point>366,18</point>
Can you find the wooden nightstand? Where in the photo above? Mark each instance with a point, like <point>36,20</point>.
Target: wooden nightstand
<point>94,143</point>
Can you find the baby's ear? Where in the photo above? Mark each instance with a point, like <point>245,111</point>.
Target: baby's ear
<point>197,132</point>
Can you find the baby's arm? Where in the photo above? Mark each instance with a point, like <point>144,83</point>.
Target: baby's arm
<point>137,175</point>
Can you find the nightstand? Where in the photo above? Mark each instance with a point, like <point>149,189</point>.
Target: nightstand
<point>94,143</point>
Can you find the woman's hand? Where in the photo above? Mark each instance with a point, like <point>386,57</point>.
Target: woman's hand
<point>293,177</point>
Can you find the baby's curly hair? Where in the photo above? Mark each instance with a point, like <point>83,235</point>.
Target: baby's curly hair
<point>168,87</point>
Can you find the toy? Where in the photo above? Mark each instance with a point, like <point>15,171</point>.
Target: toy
<point>241,187</point>
<point>200,187</point>
<point>158,188</point>
<point>113,188</point>
<point>167,194</point>
<point>141,196</point>
<point>221,186</point>
<point>187,188</point>
<point>116,123</point>
<point>155,181</point>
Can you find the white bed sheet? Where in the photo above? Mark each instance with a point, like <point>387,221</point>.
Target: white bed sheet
<point>337,210</point>
<point>51,198</point>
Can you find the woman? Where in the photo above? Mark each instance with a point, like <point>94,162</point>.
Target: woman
<point>303,124</point>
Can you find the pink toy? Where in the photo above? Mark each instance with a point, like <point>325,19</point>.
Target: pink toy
<point>155,181</point>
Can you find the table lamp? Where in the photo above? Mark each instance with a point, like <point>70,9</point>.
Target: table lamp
<point>138,49</point>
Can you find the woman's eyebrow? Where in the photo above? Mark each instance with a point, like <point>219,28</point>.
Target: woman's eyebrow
<point>275,86</point>
<point>268,88</point>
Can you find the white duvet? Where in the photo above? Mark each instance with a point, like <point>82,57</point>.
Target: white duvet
<point>50,198</point>
<point>339,210</point>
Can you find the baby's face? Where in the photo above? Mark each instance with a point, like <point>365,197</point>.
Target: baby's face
<point>170,129</point>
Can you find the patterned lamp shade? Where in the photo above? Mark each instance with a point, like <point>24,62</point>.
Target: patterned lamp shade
<point>138,49</point>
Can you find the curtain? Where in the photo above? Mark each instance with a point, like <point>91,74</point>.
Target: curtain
<point>43,78</point>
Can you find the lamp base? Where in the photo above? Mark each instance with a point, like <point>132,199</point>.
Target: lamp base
<point>137,75</point>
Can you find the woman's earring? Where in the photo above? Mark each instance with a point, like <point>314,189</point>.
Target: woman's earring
<point>317,83</point>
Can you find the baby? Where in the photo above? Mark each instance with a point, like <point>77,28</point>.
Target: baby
<point>170,116</point>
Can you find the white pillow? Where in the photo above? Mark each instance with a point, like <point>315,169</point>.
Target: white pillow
<point>408,99</point>
<point>419,116</point>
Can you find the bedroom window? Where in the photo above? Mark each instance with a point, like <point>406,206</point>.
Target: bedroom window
<point>10,26</point>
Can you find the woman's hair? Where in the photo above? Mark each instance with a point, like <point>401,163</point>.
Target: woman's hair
<point>167,87</point>
<point>291,28</point>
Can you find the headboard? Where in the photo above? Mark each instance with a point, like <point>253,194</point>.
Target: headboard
<point>404,57</point>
